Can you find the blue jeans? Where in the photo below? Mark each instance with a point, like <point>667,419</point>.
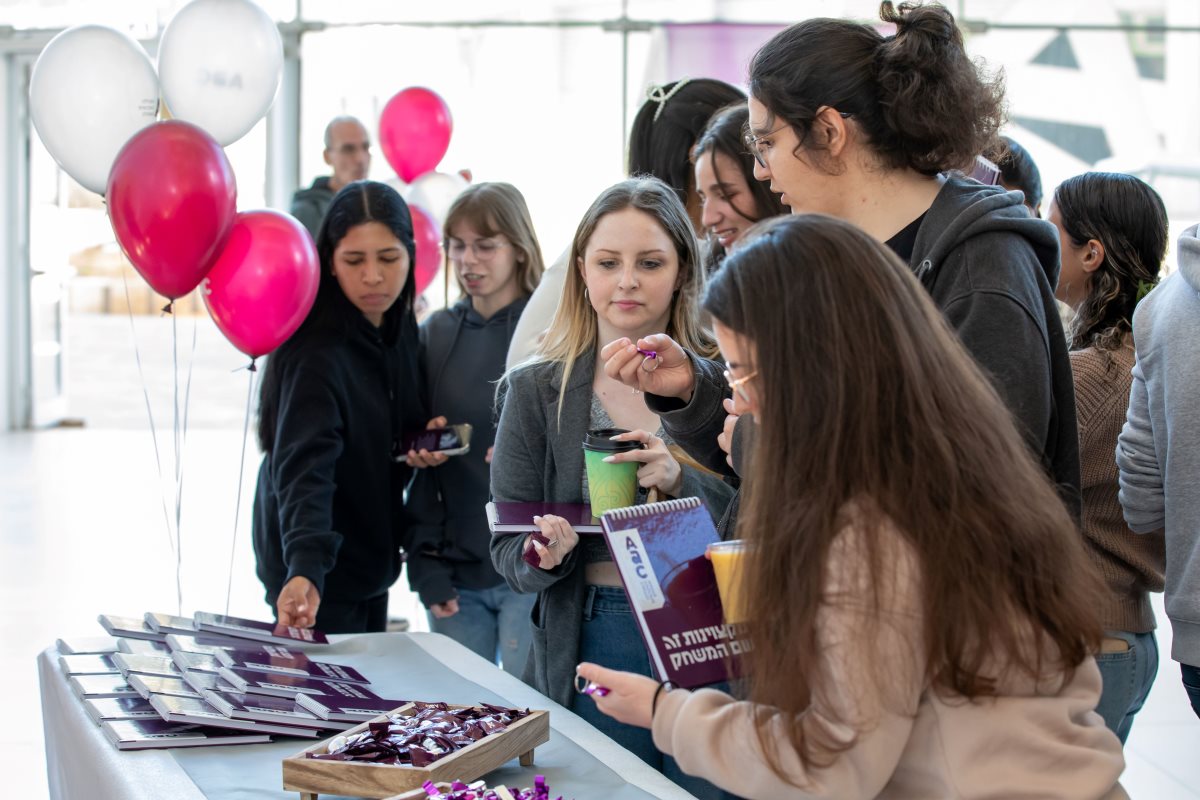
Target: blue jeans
<point>1191,682</point>
<point>1128,677</point>
<point>493,623</point>
<point>611,639</point>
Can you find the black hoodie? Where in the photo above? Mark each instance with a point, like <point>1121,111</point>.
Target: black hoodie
<point>991,269</point>
<point>329,504</point>
<point>463,356</point>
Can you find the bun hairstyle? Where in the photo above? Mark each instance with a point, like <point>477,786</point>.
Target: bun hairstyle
<point>1128,217</point>
<point>916,96</point>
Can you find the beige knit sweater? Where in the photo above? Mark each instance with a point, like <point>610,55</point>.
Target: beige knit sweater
<point>1036,739</point>
<point>1132,564</point>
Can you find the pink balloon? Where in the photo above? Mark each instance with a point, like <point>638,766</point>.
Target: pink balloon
<point>414,131</point>
<point>172,198</point>
<point>428,239</point>
<point>264,282</point>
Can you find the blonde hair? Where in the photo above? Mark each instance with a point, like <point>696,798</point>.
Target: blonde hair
<point>574,331</point>
<point>497,209</point>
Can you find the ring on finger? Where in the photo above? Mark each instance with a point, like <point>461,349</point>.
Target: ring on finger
<point>650,363</point>
<point>552,543</point>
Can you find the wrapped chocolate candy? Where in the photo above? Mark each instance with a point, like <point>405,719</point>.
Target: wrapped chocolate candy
<point>434,731</point>
<point>478,791</point>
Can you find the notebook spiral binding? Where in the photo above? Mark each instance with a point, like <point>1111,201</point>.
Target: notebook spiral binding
<point>653,508</point>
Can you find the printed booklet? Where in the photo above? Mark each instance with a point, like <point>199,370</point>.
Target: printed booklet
<point>659,551</point>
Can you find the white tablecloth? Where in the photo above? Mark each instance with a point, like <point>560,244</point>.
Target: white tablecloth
<point>83,764</point>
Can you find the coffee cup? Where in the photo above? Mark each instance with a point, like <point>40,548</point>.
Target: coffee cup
<point>609,485</point>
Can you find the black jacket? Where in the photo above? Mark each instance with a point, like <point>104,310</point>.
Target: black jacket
<point>329,504</point>
<point>463,357</point>
<point>991,269</point>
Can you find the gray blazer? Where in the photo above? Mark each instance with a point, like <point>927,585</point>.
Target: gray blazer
<point>539,458</point>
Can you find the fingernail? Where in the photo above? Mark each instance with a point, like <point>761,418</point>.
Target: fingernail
<point>536,517</point>
<point>609,460</point>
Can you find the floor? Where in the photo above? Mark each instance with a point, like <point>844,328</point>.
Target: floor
<point>82,532</point>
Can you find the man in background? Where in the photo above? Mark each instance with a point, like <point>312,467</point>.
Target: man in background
<point>348,152</point>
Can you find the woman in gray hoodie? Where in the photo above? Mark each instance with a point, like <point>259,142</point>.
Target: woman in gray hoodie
<point>493,252</point>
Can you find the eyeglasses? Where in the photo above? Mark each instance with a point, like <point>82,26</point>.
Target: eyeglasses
<point>737,384</point>
<point>755,144</point>
<point>483,249</point>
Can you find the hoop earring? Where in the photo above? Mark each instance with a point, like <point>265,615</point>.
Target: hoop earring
<point>585,294</point>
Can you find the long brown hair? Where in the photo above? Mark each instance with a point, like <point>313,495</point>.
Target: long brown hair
<point>868,403</point>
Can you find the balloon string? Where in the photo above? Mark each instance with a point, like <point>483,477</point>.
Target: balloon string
<point>178,463</point>
<point>187,404</point>
<point>241,474</point>
<point>149,413</point>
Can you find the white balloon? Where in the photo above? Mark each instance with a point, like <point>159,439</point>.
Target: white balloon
<point>92,88</point>
<point>435,192</point>
<point>220,63</point>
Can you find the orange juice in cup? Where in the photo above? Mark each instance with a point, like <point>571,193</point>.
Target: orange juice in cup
<point>726,558</point>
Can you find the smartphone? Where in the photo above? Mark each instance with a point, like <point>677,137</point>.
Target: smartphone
<point>453,440</point>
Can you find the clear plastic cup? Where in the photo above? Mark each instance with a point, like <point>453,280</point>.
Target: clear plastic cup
<point>727,562</point>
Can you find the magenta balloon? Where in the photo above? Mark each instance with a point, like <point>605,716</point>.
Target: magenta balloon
<point>428,239</point>
<point>414,131</point>
<point>172,198</point>
<point>264,282</point>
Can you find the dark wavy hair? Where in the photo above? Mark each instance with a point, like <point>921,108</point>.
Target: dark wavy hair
<point>918,98</point>
<point>725,134</point>
<point>907,445</point>
<point>1128,217</point>
<point>661,147</point>
<point>333,316</point>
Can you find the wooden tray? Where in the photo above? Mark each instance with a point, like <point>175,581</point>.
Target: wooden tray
<point>311,776</point>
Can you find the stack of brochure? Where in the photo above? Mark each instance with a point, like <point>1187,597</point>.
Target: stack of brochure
<point>165,681</point>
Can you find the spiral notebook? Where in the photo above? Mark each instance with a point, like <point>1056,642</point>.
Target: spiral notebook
<point>659,550</point>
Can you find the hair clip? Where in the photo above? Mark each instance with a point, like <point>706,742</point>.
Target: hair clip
<point>583,686</point>
<point>660,96</point>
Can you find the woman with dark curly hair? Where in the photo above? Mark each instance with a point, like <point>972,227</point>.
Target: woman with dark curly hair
<point>1113,232</point>
<point>873,129</point>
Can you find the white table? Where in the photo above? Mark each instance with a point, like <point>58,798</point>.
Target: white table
<point>82,763</point>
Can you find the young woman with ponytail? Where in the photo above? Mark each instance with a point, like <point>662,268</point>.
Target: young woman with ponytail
<point>1113,233</point>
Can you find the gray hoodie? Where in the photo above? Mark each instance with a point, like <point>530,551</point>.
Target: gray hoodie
<point>1158,452</point>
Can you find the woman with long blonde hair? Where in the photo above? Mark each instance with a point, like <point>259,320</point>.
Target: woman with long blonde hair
<point>634,269</point>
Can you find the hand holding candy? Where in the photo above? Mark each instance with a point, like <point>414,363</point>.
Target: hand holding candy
<point>629,698</point>
<point>655,364</point>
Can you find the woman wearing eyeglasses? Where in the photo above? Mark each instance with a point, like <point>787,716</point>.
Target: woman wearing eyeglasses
<point>493,252</point>
<point>920,608</point>
<point>871,129</point>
